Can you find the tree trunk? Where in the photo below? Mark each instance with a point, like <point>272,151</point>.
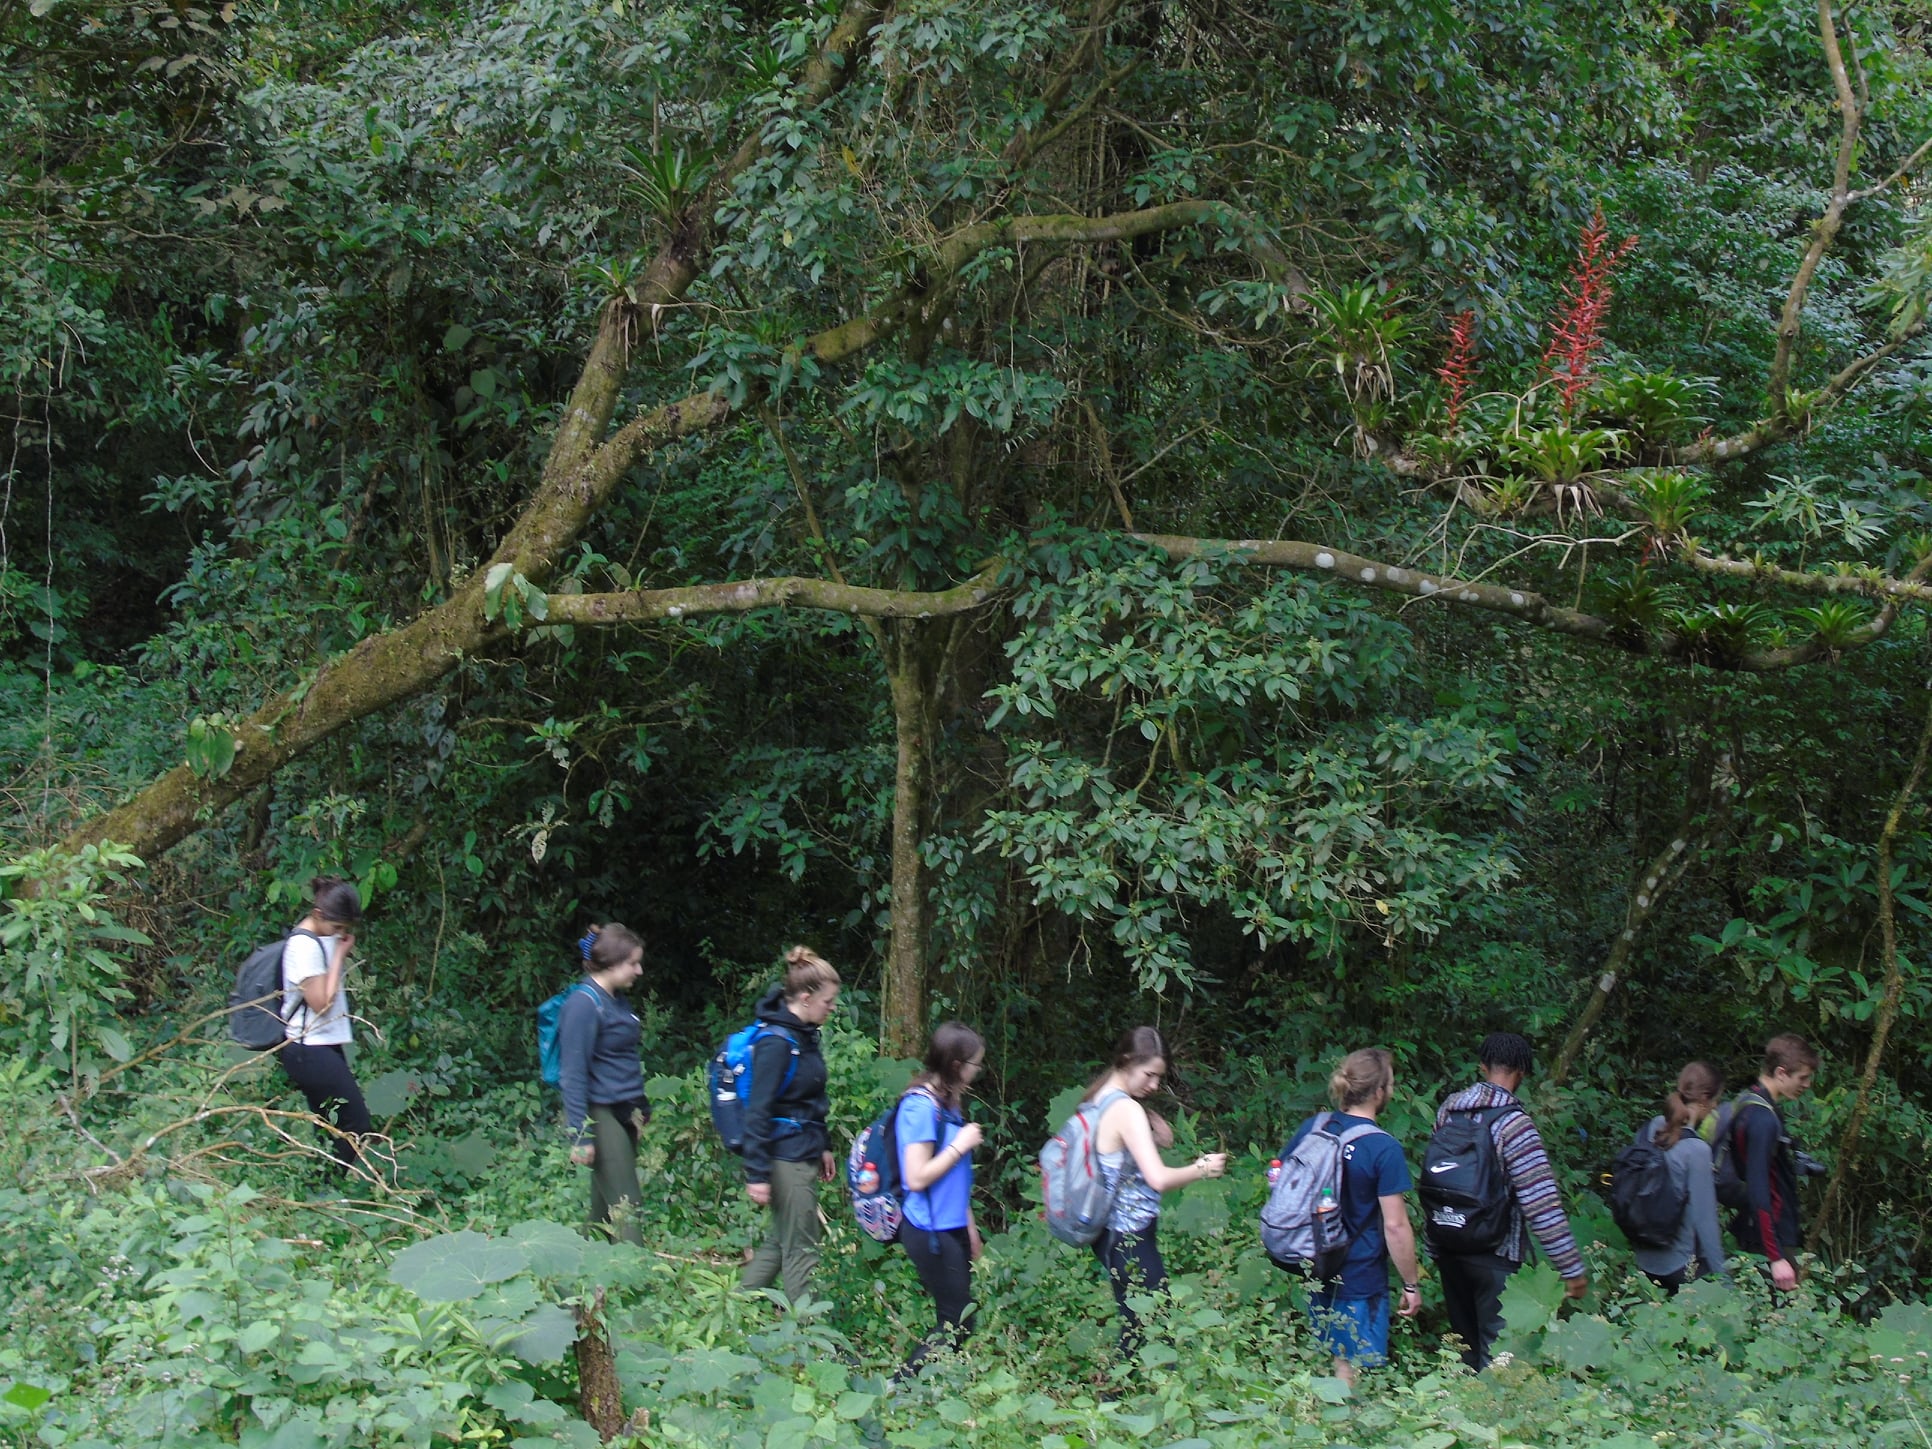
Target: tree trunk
<point>600,1398</point>
<point>913,651</point>
<point>1657,882</point>
<point>1893,989</point>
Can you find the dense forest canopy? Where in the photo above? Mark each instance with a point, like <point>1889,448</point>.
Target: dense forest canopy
<point>1315,524</point>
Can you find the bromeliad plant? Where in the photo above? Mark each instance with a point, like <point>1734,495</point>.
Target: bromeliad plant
<point>1576,335</point>
<point>1669,499</point>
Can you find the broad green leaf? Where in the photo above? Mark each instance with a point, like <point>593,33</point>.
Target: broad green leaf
<point>391,1092</point>
<point>26,1396</point>
<point>550,1249</point>
<point>455,1266</point>
<point>547,1335</point>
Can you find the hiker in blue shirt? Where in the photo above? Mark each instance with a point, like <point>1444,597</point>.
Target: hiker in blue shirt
<point>1351,1311</point>
<point>935,1144</point>
<point>602,1079</point>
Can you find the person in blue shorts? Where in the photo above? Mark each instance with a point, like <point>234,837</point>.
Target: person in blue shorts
<point>935,1144</point>
<point>1351,1311</point>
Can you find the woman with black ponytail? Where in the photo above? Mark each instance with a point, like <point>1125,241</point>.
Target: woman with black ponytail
<point>316,1008</point>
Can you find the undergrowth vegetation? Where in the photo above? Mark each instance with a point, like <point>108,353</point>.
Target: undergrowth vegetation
<point>176,1273</point>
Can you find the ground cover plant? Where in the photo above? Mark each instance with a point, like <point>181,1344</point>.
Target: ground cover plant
<point>178,1305</point>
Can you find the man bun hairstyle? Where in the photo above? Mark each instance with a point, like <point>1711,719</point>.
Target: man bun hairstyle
<point>610,945</point>
<point>1506,1049</point>
<point>334,899</point>
<point>1699,1084</point>
<point>807,973</point>
<point>1362,1077</point>
<point>1790,1052</point>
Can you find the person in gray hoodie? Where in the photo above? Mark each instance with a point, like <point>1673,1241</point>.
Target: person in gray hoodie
<point>1699,1243</point>
<point>602,1079</point>
<point>787,1149</point>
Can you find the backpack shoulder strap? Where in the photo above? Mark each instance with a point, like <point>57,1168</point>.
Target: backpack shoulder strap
<point>762,1029</point>
<point>1359,1130</point>
<point>302,1002</point>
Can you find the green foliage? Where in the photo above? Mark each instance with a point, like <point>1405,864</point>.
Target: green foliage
<point>1657,406</point>
<point>60,979</point>
<point>1560,453</point>
<point>293,300</point>
<point>1327,833</point>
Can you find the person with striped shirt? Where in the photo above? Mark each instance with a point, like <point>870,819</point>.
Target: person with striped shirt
<point>1472,1283</point>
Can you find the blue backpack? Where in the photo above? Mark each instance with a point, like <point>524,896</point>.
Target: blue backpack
<point>549,1048</point>
<point>730,1081</point>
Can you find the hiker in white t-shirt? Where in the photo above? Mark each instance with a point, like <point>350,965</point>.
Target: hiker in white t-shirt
<point>316,1008</point>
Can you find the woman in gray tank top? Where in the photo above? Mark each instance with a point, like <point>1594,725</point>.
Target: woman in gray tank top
<point>1129,1139</point>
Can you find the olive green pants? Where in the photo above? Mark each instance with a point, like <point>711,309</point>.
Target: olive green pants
<point>790,1249</point>
<point>613,1175</point>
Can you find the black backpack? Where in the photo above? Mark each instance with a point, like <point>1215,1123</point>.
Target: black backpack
<point>1646,1202</point>
<point>1465,1192</point>
<point>255,1017</point>
<point>1732,1190</point>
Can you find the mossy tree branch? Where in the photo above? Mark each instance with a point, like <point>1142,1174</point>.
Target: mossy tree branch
<point>1359,571</point>
<point>1790,412</point>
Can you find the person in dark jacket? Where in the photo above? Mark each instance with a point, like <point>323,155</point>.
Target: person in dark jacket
<point>602,1080</point>
<point>1768,1222</point>
<point>787,1149</point>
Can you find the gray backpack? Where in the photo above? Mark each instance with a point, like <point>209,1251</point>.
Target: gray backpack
<point>1303,1226</point>
<point>255,1017</point>
<point>1073,1190</point>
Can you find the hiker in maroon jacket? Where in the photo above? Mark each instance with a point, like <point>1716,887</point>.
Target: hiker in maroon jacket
<point>1766,1163</point>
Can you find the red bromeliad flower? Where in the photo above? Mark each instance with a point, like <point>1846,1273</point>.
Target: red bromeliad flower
<point>1459,368</point>
<point>1576,336</point>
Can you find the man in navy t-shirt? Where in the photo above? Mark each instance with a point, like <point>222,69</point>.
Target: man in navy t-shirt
<point>1351,1311</point>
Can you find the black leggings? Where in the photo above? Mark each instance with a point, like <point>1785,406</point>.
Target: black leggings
<point>322,1073</point>
<point>1133,1264</point>
<point>943,1259</point>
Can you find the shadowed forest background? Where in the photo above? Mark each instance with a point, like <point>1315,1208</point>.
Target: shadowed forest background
<point>1312,525</point>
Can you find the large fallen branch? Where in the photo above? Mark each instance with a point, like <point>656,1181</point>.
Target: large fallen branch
<point>1870,586</point>
<point>387,668</point>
